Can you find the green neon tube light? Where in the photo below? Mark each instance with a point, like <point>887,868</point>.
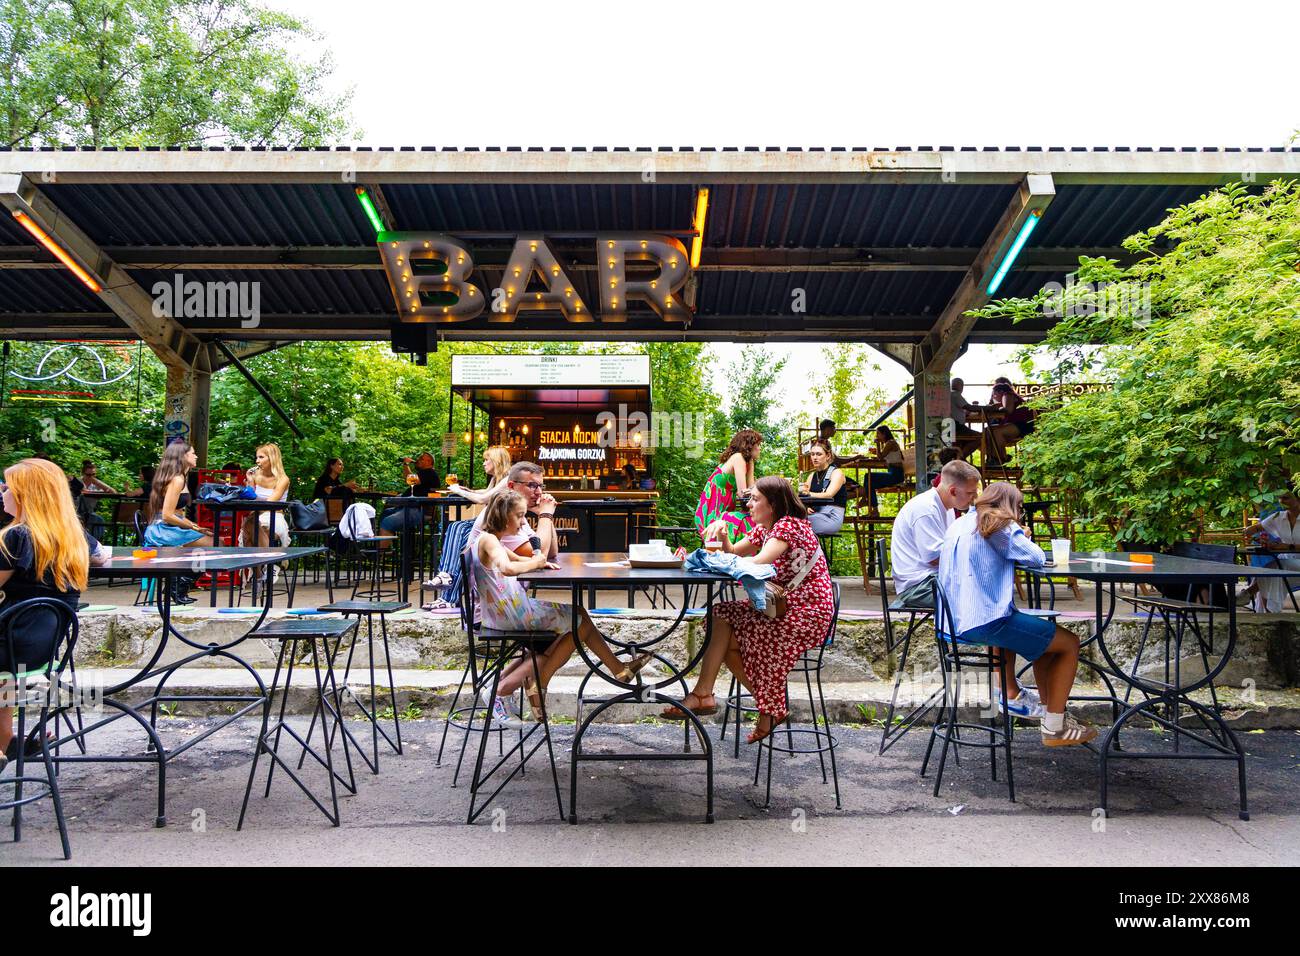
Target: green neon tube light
<point>368,205</point>
<point>1021,238</point>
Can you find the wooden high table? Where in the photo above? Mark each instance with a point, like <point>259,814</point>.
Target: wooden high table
<point>576,571</point>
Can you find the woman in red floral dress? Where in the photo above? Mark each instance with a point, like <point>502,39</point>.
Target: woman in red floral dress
<point>759,650</point>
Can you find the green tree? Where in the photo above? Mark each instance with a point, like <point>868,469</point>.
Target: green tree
<point>1202,346</point>
<point>680,376</point>
<point>848,392</point>
<point>753,377</point>
<point>161,73</point>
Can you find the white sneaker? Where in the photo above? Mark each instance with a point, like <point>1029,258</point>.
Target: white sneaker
<point>505,712</point>
<point>1026,706</point>
<point>1073,733</point>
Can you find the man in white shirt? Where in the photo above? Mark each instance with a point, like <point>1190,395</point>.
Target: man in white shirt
<point>960,407</point>
<point>526,478</point>
<point>1280,532</point>
<point>919,529</point>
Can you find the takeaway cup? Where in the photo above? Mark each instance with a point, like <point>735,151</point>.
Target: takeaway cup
<point>1060,551</point>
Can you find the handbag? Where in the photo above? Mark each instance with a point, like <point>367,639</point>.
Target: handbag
<point>777,596</point>
<point>219,492</point>
<point>308,517</point>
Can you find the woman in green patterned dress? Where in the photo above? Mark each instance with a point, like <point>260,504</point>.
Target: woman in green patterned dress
<point>721,499</point>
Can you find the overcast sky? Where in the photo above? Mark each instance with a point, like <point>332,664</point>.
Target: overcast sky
<point>817,73</point>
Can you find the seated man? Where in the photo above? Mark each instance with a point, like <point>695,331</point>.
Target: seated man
<point>919,529</point>
<point>961,408</point>
<point>526,478</point>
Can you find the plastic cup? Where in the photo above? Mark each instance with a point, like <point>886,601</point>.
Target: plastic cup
<point>1060,551</point>
<point>713,544</point>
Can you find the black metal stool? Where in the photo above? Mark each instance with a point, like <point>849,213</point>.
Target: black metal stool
<point>367,609</point>
<point>59,619</point>
<point>953,657</point>
<point>916,616</point>
<point>370,561</point>
<point>317,633</point>
<point>823,741</point>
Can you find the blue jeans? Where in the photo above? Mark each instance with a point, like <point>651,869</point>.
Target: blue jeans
<point>395,519</point>
<point>882,479</point>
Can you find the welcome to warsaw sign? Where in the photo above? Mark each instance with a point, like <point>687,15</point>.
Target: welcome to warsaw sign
<point>429,274</point>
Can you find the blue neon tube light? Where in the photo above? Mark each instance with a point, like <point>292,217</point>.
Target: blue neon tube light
<point>1009,259</point>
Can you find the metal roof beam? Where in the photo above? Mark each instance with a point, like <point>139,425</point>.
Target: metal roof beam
<point>945,340</point>
<point>167,337</point>
<point>734,259</point>
<point>963,166</point>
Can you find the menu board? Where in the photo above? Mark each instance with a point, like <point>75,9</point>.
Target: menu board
<point>525,371</point>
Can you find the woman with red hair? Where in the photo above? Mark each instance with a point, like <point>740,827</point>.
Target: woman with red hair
<point>44,553</point>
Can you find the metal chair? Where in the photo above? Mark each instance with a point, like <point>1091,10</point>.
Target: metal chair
<point>311,537</point>
<point>53,616</point>
<point>1181,615</point>
<point>496,648</point>
<point>956,659</point>
<point>894,730</point>
<point>370,553</point>
<point>823,744</point>
<point>145,595</point>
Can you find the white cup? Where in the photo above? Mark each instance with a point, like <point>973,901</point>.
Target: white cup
<point>1060,551</point>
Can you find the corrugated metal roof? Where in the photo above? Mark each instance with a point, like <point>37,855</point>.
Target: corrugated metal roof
<point>43,291</point>
<point>206,214</point>
<point>842,216</point>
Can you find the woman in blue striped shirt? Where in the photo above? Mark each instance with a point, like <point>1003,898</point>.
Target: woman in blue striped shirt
<point>977,567</point>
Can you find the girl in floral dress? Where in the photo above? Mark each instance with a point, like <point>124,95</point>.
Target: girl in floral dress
<point>759,650</point>
<point>504,605</point>
<point>730,482</point>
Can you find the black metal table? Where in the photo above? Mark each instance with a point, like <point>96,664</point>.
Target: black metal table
<point>234,508</point>
<point>443,503</point>
<point>580,577</point>
<point>1117,568</point>
<point>170,563</point>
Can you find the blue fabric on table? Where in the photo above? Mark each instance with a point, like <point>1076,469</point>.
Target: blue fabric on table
<point>749,573</point>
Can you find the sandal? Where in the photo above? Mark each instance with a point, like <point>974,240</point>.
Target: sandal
<point>676,713</point>
<point>33,748</point>
<point>772,727</point>
<point>634,667</point>
<point>534,695</point>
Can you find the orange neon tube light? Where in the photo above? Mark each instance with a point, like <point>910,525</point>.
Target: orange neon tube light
<point>57,251</point>
<point>701,211</point>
